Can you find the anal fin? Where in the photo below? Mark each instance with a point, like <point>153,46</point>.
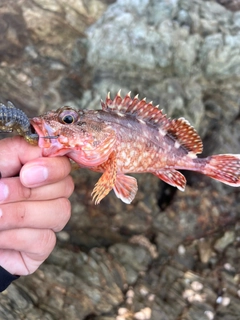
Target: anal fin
<point>125,188</point>
<point>172,177</point>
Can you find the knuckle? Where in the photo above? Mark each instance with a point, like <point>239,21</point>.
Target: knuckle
<point>69,186</point>
<point>65,165</point>
<point>25,193</point>
<point>46,241</point>
<point>64,214</point>
<point>66,208</point>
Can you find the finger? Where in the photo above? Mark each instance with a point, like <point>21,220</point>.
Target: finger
<point>34,246</point>
<point>11,190</point>
<point>52,214</point>
<point>14,152</point>
<point>12,261</point>
<point>44,171</point>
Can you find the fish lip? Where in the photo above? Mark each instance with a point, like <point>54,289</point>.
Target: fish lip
<point>41,128</point>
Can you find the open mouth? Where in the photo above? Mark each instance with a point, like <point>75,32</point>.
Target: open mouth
<point>41,130</point>
<point>33,132</point>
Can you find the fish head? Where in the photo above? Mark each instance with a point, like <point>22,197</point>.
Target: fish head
<point>70,132</point>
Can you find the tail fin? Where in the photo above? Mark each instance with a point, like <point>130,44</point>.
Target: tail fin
<point>224,168</point>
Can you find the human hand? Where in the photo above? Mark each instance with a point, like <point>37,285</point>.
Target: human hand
<point>33,205</point>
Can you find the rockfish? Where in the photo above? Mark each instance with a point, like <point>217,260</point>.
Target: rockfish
<point>130,136</point>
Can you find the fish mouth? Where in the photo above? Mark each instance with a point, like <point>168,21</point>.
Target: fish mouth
<point>50,140</point>
<point>46,136</point>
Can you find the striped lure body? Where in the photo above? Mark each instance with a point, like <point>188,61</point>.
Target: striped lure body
<point>13,119</point>
<point>130,136</point>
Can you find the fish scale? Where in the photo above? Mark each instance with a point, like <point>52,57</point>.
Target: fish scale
<point>130,136</point>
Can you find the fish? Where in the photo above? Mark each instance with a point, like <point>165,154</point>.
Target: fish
<point>130,135</point>
<point>14,119</point>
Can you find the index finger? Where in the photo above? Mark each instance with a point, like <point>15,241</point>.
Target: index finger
<point>14,152</point>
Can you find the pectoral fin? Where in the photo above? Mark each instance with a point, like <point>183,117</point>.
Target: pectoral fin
<point>125,188</point>
<point>172,177</point>
<point>107,180</point>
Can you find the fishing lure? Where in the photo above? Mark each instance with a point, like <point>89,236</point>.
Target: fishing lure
<point>13,119</point>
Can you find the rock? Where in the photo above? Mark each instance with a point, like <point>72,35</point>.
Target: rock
<point>223,242</point>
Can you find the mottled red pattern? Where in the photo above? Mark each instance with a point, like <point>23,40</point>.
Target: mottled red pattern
<point>130,135</point>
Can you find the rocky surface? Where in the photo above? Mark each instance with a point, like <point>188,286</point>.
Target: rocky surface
<point>168,255</point>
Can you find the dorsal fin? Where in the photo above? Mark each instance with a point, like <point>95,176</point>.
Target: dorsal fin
<point>145,112</point>
<point>140,109</point>
<point>186,135</point>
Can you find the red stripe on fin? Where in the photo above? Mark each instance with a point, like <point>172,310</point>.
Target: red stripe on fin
<point>172,177</point>
<point>125,188</point>
<point>185,135</point>
<point>224,168</point>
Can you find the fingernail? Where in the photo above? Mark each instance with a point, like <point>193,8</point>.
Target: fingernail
<point>34,175</point>
<point>4,191</point>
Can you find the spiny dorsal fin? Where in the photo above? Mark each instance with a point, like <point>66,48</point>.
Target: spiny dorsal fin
<point>179,129</point>
<point>186,135</point>
<point>140,109</point>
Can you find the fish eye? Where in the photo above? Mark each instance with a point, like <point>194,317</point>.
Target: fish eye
<point>67,116</point>
<point>68,119</point>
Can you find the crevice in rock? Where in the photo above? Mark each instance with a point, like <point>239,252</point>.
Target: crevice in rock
<point>166,195</point>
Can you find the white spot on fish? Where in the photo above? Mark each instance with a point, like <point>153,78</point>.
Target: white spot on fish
<point>142,121</point>
<point>127,162</point>
<point>135,163</point>
<point>162,132</point>
<point>132,153</point>
<point>177,144</point>
<point>145,133</point>
<point>123,145</point>
<point>192,155</point>
<point>105,151</point>
<point>123,155</point>
<point>130,136</point>
<point>120,114</point>
<point>120,163</point>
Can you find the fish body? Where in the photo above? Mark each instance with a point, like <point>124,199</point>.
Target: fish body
<point>130,136</point>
